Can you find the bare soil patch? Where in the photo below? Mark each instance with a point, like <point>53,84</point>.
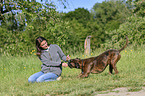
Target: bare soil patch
<point>122,92</point>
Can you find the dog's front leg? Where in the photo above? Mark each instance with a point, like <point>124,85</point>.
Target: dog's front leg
<point>87,70</point>
<point>85,74</point>
<point>79,75</point>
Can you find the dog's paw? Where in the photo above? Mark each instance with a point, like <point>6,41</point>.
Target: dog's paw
<point>84,76</point>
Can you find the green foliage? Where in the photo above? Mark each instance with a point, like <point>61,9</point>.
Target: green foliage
<point>81,15</point>
<point>96,31</point>
<point>134,28</point>
<point>14,42</point>
<point>110,13</point>
<point>139,7</point>
<point>35,21</point>
<point>83,25</point>
<point>19,29</point>
<point>14,22</point>
<point>16,14</point>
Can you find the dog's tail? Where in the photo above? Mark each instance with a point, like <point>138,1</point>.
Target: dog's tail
<point>125,45</point>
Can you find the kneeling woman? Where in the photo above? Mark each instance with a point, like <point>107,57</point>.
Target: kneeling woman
<point>50,56</point>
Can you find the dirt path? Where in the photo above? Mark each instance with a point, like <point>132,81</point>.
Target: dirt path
<point>122,92</point>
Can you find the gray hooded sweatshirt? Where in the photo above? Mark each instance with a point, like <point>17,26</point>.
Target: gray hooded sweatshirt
<point>51,59</point>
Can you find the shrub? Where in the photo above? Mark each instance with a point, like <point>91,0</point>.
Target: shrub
<point>134,28</point>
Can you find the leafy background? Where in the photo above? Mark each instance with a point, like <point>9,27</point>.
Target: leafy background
<point>22,21</point>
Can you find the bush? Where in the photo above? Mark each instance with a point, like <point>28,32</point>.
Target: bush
<point>134,28</point>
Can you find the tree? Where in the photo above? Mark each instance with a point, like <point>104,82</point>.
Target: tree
<point>110,13</point>
<point>133,28</point>
<point>11,10</point>
<point>81,15</point>
<point>20,27</point>
<point>15,13</point>
<point>139,7</point>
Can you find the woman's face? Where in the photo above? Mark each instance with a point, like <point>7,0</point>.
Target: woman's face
<point>44,45</point>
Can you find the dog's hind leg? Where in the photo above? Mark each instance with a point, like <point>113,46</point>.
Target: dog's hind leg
<point>114,60</point>
<point>114,67</point>
<point>110,69</point>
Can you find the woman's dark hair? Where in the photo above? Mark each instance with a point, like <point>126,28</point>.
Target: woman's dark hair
<point>38,42</point>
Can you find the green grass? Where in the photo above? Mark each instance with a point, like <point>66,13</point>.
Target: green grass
<point>134,89</point>
<point>15,71</point>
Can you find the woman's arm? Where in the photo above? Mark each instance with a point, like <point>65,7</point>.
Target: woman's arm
<point>61,54</point>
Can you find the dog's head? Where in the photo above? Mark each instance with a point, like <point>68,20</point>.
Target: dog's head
<point>74,63</point>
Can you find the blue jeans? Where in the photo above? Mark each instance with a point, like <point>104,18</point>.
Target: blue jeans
<point>42,77</point>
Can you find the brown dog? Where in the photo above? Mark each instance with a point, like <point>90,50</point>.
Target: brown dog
<point>99,63</point>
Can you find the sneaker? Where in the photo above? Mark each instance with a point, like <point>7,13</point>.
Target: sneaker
<point>59,78</point>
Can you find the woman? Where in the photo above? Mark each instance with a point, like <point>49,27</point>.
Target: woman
<point>50,56</point>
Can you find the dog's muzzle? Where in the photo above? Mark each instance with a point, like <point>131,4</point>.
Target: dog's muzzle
<point>69,64</point>
<point>76,65</point>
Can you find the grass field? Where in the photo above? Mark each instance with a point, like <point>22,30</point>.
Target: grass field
<point>14,73</point>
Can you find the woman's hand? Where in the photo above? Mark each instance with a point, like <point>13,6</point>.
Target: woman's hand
<point>67,58</point>
<point>64,64</point>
